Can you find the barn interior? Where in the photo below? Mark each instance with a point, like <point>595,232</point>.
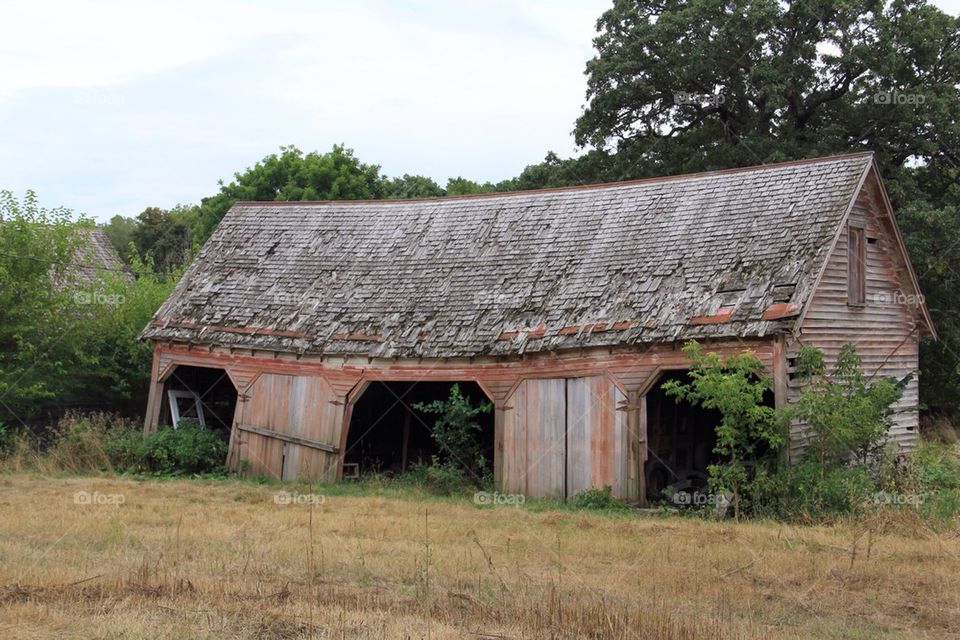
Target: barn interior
<point>201,394</point>
<point>680,441</point>
<point>387,435</point>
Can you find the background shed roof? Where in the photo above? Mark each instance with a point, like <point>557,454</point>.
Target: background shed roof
<point>652,260</point>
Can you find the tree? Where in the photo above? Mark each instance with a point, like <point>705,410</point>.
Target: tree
<point>460,186</point>
<point>120,231</point>
<point>691,86</point>
<point>293,175</point>
<point>750,431</point>
<point>67,339</point>
<point>457,431</point>
<point>847,415</point>
<point>555,171</point>
<point>409,186</point>
<point>37,246</point>
<point>685,86</point>
<point>165,236</point>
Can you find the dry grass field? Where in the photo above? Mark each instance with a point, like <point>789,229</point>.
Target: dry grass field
<point>221,559</point>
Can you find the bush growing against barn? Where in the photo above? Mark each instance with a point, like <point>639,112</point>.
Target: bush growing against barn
<point>750,432</point>
<point>848,467</point>
<point>456,431</point>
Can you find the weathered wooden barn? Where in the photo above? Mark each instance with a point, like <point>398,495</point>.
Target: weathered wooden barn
<point>565,307</point>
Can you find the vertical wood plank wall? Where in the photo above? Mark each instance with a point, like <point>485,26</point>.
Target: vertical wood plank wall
<point>313,399</point>
<point>883,328</point>
<point>301,406</point>
<point>597,439</point>
<point>564,435</point>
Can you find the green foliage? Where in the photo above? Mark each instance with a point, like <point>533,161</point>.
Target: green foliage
<point>681,86</point>
<point>597,500</point>
<point>847,415</point>
<point>36,308</point>
<point>439,477</point>
<point>816,491</point>
<point>163,236</point>
<point>67,338</point>
<point>409,186</point>
<point>749,433</point>
<point>120,231</point>
<point>293,175</point>
<point>457,431</point>
<point>188,449</point>
<point>7,440</point>
<point>930,231</point>
<point>935,467</point>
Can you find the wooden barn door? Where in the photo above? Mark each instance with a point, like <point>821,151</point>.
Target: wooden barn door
<point>534,439</point>
<point>597,436</point>
<point>289,428</point>
<point>564,435</point>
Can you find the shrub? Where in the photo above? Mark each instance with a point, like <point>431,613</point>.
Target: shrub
<point>106,442</point>
<point>815,491</point>
<point>749,432</point>
<point>7,440</point>
<point>847,416</point>
<point>439,478</point>
<point>77,443</point>
<point>190,448</point>
<point>597,499</point>
<point>456,430</point>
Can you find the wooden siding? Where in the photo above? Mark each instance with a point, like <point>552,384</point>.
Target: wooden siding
<point>304,407</point>
<point>884,329</point>
<point>562,436</point>
<point>311,397</point>
<point>597,438</point>
<point>534,442</point>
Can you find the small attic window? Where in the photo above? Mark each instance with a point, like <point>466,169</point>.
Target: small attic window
<point>856,267</point>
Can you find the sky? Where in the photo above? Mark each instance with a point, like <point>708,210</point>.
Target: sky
<point>108,107</point>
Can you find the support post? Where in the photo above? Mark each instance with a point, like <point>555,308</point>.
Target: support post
<point>155,397</point>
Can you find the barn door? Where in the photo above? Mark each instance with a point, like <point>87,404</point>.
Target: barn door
<point>534,439</point>
<point>597,442</point>
<point>565,435</point>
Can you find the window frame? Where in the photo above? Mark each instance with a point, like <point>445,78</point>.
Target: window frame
<point>856,265</point>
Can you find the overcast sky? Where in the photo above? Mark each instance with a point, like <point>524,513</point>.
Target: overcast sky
<point>108,107</point>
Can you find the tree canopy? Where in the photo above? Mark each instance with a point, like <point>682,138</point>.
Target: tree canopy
<point>682,86</point>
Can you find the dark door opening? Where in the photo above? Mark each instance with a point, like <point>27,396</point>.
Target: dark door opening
<point>199,394</point>
<point>386,435</point>
<point>680,441</point>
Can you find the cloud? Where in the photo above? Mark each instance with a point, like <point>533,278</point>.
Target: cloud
<point>114,106</point>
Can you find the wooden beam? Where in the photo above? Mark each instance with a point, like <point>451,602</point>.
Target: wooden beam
<point>286,437</point>
<point>155,398</point>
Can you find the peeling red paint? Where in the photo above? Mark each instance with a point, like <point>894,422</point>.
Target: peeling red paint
<point>780,310</point>
<point>722,315</point>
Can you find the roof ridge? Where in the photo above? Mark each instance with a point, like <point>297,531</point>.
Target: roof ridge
<point>580,187</point>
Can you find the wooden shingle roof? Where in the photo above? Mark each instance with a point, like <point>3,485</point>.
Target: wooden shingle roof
<point>722,254</point>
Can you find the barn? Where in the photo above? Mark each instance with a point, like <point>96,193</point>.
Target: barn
<point>304,330</point>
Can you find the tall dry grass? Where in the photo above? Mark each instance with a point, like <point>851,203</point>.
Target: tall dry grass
<point>76,444</point>
<point>189,559</point>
